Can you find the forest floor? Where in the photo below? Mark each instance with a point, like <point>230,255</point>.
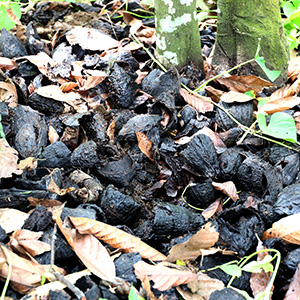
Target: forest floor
<point>119,181</point>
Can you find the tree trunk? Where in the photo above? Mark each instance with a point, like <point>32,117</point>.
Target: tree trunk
<point>177,33</point>
<point>240,24</point>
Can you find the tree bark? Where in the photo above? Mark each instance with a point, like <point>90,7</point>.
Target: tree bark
<point>240,24</point>
<point>177,33</point>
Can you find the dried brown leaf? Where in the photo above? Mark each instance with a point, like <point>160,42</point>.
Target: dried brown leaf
<point>91,39</point>
<point>8,94</point>
<point>147,287</point>
<point>7,64</point>
<point>201,104</point>
<point>259,281</point>
<point>205,238</point>
<point>9,159</point>
<point>54,92</point>
<point>44,202</point>
<point>163,275</point>
<point>293,292</point>
<point>287,229</point>
<point>245,83</point>
<point>111,130</point>
<point>233,96</point>
<point>215,94</point>
<point>68,86</point>
<point>43,62</point>
<point>42,292</point>
<point>213,209</point>
<point>12,16</point>
<point>204,286</point>
<point>25,241</point>
<point>52,135</point>
<point>29,163</point>
<point>228,188</point>
<point>188,295</point>
<point>86,79</point>
<point>26,274</point>
<point>90,251</point>
<point>290,89</point>
<point>54,188</point>
<point>12,219</point>
<point>116,238</point>
<point>279,105</point>
<point>145,144</point>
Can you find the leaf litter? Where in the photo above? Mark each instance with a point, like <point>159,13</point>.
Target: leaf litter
<point>87,93</point>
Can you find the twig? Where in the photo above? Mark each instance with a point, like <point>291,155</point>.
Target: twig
<point>77,292</point>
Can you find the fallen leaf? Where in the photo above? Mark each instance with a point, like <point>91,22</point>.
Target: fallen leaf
<point>52,135</point>
<point>68,86</point>
<point>116,238</point>
<point>245,83</point>
<point>290,89</point>
<point>205,238</point>
<point>111,130</point>
<point>42,292</point>
<point>29,163</point>
<point>145,144</point>
<point>8,94</point>
<point>43,62</point>
<point>54,92</point>
<point>279,105</point>
<point>54,188</point>
<point>202,288</point>
<point>259,281</point>
<point>287,229</point>
<point>293,293</point>
<point>85,78</point>
<point>147,287</point>
<point>201,104</point>
<point>213,93</point>
<point>233,96</point>
<point>228,188</point>
<point>9,159</point>
<point>12,219</point>
<point>12,16</point>
<point>163,275</point>
<point>213,209</point>
<point>25,241</point>
<point>44,202</point>
<point>90,251</point>
<point>26,274</point>
<point>91,39</point>
<point>7,64</point>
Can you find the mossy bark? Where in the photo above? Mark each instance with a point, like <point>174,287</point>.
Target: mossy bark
<point>177,33</point>
<point>240,24</point>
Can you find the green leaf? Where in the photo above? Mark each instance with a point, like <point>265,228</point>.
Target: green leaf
<point>262,101</point>
<point>133,295</point>
<point>272,74</point>
<point>281,126</point>
<point>233,270</point>
<point>5,21</point>
<point>295,15</point>
<point>150,3</point>
<point>257,266</point>
<point>250,93</point>
<point>288,8</point>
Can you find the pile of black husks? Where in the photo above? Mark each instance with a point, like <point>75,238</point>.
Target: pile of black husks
<point>116,182</point>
